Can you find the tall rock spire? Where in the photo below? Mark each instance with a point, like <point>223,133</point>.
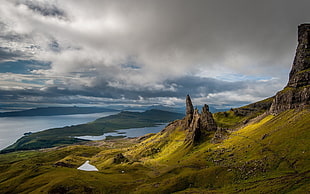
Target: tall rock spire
<point>297,92</point>
<point>189,106</point>
<point>189,110</point>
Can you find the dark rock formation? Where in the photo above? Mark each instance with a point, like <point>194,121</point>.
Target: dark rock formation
<point>189,106</point>
<point>198,125</point>
<point>189,110</point>
<point>297,92</point>
<point>300,73</point>
<point>219,135</point>
<point>194,132</point>
<point>207,121</point>
<point>64,164</point>
<point>120,158</point>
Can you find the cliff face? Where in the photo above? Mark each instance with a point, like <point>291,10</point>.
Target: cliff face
<point>299,75</point>
<point>297,92</point>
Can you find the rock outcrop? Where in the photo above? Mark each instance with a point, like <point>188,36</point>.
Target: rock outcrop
<point>194,131</point>
<point>297,92</point>
<point>189,110</point>
<point>120,158</point>
<point>198,125</point>
<point>207,121</point>
<point>300,73</point>
<point>219,135</point>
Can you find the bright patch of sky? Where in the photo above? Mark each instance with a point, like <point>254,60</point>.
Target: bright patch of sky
<point>23,66</point>
<point>239,77</point>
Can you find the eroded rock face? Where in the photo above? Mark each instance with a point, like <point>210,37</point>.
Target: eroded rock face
<point>207,121</point>
<point>299,75</point>
<point>189,110</point>
<point>198,125</point>
<point>189,106</point>
<point>194,131</point>
<point>297,92</point>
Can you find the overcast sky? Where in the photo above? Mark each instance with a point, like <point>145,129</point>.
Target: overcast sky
<point>141,52</point>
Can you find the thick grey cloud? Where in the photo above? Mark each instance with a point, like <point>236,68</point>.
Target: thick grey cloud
<point>215,92</point>
<point>155,50</point>
<point>45,8</point>
<point>6,54</point>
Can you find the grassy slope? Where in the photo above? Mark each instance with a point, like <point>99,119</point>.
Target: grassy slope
<point>65,135</point>
<point>235,118</point>
<point>270,156</point>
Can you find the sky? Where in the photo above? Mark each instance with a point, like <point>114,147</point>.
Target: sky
<point>145,52</point>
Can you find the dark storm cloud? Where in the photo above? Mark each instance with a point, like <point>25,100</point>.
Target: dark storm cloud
<point>197,87</point>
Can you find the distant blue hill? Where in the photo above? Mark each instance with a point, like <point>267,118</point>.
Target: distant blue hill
<point>52,111</point>
<point>182,109</point>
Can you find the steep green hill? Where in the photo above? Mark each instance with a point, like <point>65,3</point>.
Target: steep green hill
<point>237,117</point>
<point>267,156</point>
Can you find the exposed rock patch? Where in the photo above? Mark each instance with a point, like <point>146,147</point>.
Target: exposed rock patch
<point>219,135</point>
<point>120,158</point>
<point>64,164</point>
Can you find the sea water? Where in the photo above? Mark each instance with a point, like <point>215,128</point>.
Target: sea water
<point>13,128</point>
<point>131,132</point>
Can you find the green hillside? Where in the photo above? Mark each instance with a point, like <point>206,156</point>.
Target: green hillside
<point>270,155</point>
<point>263,147</point>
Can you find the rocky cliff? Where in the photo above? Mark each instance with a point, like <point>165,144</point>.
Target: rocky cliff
<point>297,92</point>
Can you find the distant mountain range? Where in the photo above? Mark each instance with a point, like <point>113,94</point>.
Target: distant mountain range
<point>182,109</point>
<point>52,111</point>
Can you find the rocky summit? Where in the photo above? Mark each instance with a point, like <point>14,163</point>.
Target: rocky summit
<point>296,94</point>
